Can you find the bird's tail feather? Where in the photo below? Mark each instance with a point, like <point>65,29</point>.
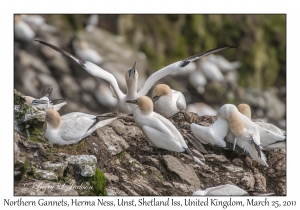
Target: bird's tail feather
<point>98,124</point>
<point>251,149</point>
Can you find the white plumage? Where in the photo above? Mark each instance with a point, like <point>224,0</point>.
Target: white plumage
<point>159,131</point>
<point>213,134</point>
<point>132,82</point>
<point>201,109</point>
<point>222,190</point>
<point>44,102</point>
<point>168,101</point>
<point>198,81</point>
<point>269,134</point>
<point>211,71</point>
<point>84,52</point>
<point>23,30</point>
<point>268,137</point>
<point>71,128</point>
<point>105,98</point>
<point>223,63</point>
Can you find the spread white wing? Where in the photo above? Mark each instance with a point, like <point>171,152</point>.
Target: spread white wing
<point>174,67</point>
<point>91,68</point>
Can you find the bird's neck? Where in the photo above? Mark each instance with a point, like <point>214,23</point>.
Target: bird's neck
<point>145,112</point>
<point>132,89</point>
<point>54,124</point>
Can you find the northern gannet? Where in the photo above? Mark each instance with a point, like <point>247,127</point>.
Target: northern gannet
<point>159,131</point>
<point>105,98</point>
<point>213,134</point>
<point>201,109</point>
<point>84,52</point>
<point>131,76</point>
<point>92,22</point>
<point>167,101</point>
<point>35,21</point>
<point>185,70</point>
<point>198,81</point>
<point>223,63</point>
<point>227,189</point>
<point>277,145</point>
<point>269,134</point>
<point>210,70</point>
<point>22,30</point>
<point>44,102</point>
<point>71,128</point>
<point>243,132</point>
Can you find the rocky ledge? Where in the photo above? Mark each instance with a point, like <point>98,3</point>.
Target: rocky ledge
<point>117,160</point>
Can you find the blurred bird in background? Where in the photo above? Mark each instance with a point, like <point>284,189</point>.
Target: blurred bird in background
<point>115,42</point>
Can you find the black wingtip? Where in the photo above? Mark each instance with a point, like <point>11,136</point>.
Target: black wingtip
<point>47,92</point>
<point>198,56</point>
<point>96,121</point>
<point>184,63</point>
<point>79,61</point>
<point>232,46</point>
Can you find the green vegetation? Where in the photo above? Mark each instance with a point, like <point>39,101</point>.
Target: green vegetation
<point>261,42</point>
<point>143,173</point>
<point>98,182</point>
<point>120,155</point>
<point>30,127</point>
<point>37,135</point>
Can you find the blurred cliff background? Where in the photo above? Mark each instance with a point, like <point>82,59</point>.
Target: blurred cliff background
<point>254,73</point>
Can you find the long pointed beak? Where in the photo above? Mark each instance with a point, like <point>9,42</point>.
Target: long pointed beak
<point>61,99</point>
<point>134,65</point>
<point>132,70</point>
<point>132,101</point>
<point>155,98</point>
<point>38,101</point>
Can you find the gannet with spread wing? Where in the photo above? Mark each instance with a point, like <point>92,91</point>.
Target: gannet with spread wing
<point>131,76</point>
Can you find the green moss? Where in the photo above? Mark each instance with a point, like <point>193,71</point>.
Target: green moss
<point>159,176</point>
<point>19,99</point>
<point>28,172</point>
<point>37,135</point>
<point>143,173</point>
<point>120,155</point>
<point>98,182</point>
<point>26,165</point>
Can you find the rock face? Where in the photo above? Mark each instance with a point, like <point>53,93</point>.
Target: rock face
<point>185,171</point>
<point>86,164</point>
<point>118,160</point>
